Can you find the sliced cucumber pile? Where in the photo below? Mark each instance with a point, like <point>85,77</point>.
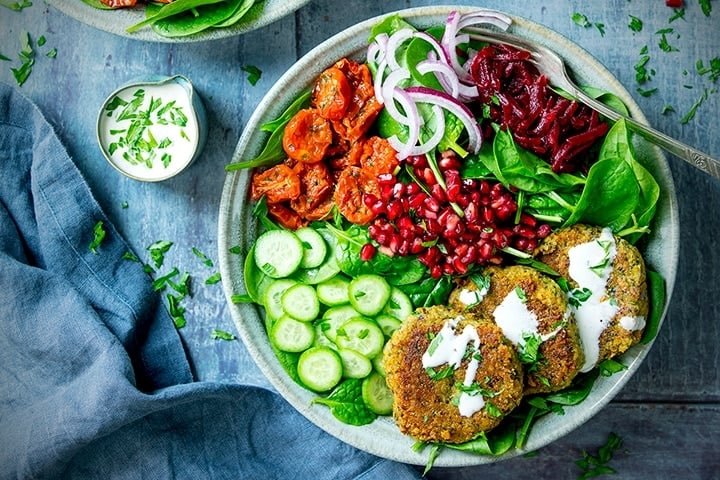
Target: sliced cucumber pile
<point>334,327</point>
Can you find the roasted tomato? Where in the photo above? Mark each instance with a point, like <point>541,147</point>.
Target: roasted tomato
<point>316,186</point>
<point>378,156</point>
<point>278,184</point>
<point>331,94</point>
<point>352,185</point>
<point>364,107</point>
<point>307,136</point>
<point>285,216</point>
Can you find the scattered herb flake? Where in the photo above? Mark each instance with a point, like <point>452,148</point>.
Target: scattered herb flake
<point>693,110</point>
<point>217,334</point>
<point>705,7</point>
<point>667,109</point>
<point>594,465</point>
<point>600,27</point>
<point>580,19</point>
<point>177,312</point>
<point>646,92</point>
<point>205,259</point>
<point>213,279</point>
<point>665,45</point>
<point>3,57</point>
<point>124,205</point>
<point>130,256</point>
<point>99,236</point>
<point>713,69</point>
<point>254,73</point>
<point>158,250</point>
<point>241,298</point>
<point>635,24</point>
<point>679,13</point>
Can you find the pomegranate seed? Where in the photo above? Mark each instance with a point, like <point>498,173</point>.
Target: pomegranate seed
<point>438,193</point>
<point>367,252</point>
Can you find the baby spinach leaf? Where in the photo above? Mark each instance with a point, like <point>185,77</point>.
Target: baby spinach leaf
<point>610,195</point>
<point>657,294</point>
<point>192,21</point>
<point>429,291</point>
<point>168,10</point>
<point>389,25</point>
<point>346,403</point>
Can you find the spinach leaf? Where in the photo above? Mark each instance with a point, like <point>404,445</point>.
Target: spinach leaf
<point>577,391</point>
<point>475,166</point>
<point>168,10</point>
<point>496,442</point>
<point>515,166</point>
<point>195,20</point>
<point>429,291</point>
<point>389,25</point>
<point>610,195</point>
<point>346,403</point>
<point>657,294</point>
<point>617,145</point>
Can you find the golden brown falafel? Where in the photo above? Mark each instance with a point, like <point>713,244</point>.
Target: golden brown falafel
<point>560,355</point>
<point>426,408</point>
<point>626,288</point>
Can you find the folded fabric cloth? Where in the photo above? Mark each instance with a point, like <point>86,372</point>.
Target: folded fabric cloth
<point>94,381</point>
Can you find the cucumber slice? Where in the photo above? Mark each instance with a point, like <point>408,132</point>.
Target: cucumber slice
<point>369,293</point>
<point>355,365</point>
<point>321,340</point>
<point>377,363</point>
<point>376,394</point>
<point>273,297</point>
<point>399,305</point>
<point>314,247</point>
<point>334,317</point>
<point>328,269</point>
<point>301,302</point>
<point>278,253</point>
<point>362,335</point>
<point>387,323</point>
<point>290,335</point>
<point>334,291</point>
<point>319,368</point>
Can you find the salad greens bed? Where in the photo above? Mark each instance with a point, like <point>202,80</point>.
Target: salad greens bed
<point>616,191</point>
<point>181,18</point>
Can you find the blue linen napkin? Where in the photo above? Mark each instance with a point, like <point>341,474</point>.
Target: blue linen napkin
<point>94,381</point>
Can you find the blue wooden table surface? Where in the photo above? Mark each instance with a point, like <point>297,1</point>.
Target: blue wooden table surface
<point>668,415</point>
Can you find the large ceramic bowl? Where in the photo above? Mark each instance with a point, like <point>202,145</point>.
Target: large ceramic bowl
<point>117,21</point>
<point>236,228</point>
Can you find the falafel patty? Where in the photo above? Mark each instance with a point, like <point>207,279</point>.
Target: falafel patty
<point>532,311</point>
<point>607,278</point>
<point>427,401</point>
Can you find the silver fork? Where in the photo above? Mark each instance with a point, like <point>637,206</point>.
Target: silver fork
<point>553,67</point>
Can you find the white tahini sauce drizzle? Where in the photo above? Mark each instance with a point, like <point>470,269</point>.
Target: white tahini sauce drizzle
<point>449,348</point>
<point>472,297</point>
<point>591,266</point>
<point>632,323</point>
<point>514,318</point>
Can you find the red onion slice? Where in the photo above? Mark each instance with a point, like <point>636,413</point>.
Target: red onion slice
<point>435,97</point>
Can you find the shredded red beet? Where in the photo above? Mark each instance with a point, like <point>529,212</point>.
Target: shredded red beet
<point>559,130</point>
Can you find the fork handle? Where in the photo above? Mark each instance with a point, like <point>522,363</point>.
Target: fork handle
<point>693,156</point>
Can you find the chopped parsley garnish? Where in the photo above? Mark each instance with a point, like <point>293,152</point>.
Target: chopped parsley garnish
<point>679,13</point>
<point>445,372</point>
<point>705,7</point>
<point>664,44</point>
<point>580,20</point>
<point>593,465</point>
<point>27,59</point>
<point>646,92</point>
<point>213,279</point>
<point>578,296</point>
<point>254,73</point>
<point>135,140</point>
<point>635,24</point>
<point>98,236</point>
<point>245,298</point>
<point>177,312</point>
<point>217,334</point>
<point>521,294</point>
<point>693,109</point>
<point>130,256</point>
<point>205,259</point>
<point>158,250</point>
<point>528,349</point>
<point>713,69</point>
<point>609,367</point>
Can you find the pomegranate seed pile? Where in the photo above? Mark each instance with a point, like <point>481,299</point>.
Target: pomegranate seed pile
<point>450,227</point>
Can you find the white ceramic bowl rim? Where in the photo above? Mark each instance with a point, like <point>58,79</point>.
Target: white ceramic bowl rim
<point>237,228</point>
